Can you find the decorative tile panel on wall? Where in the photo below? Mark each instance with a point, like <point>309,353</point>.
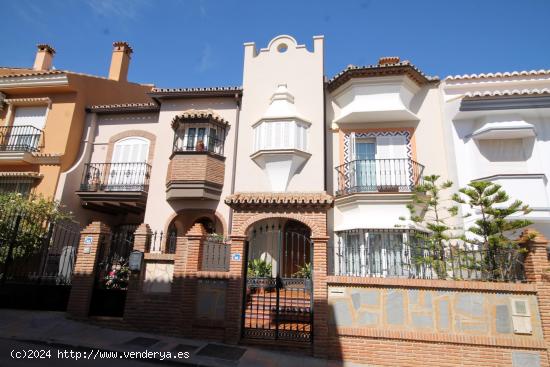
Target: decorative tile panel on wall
<point>433,311</point>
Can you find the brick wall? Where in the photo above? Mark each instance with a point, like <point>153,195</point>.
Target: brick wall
<point>95,235</point>
<point>196,167</point>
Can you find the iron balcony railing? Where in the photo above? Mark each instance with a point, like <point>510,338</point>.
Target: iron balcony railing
<point>116,177</point>
<point>378,175</point>
<point>20,138</point>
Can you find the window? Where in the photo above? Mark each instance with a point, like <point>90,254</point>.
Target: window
<point>128,167</point>
<point>198,138</point>
<point>25,132</point>
<point>363,252</point>
<point>378,163</point>
<point>280,135</point>
<point>16,184</point>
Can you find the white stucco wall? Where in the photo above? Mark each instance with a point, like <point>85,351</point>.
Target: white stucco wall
<point>429,149</point>
<point>302,72</point>
<point>519,165</point>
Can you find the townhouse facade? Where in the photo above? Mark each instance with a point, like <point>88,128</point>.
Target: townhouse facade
<point>42,117</point>
<point>271,213</point>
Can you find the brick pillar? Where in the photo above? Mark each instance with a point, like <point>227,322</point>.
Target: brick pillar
<point>320,306</point>
<point>195,237</point>
<point>235,288</point>
<point>92,237</point>
<point>537,271</point>
<point>142,238</point>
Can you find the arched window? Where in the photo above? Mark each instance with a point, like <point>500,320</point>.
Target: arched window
<point>131,150</point>
<point>128,168</point>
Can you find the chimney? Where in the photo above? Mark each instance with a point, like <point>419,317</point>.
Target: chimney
<point>44,57</point>
<point>120,61</point>
<point>388,60</point>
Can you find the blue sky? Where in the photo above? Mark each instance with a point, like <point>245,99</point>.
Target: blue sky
<point>199,42</point>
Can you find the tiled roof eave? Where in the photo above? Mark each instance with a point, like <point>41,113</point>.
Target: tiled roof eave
<point>249,200</point>
<point>508,74</point>
<point>196,92</point>
<point>401,68</point>
<point>126,107</point>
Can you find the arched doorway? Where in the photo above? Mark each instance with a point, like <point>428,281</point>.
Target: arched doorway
<point>278,294</point>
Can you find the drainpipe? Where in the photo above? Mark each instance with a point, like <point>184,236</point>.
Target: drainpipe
<point>235,144</point>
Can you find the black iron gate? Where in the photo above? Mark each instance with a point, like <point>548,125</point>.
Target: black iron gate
<point>37,259</point>
<point>112,273</point>
<point>278,300</point>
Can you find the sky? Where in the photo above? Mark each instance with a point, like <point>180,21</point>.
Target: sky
<point>199,43</point>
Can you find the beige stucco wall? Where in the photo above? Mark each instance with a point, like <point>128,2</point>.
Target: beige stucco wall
<point>65,120</point>
<point>302,71</point>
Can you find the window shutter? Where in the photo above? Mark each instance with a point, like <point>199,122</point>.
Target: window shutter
<point>32,116</point>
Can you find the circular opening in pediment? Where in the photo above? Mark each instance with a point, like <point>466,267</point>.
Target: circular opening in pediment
<point>282,48</point>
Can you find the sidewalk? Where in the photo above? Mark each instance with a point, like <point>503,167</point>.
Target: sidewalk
<point>53,328</point>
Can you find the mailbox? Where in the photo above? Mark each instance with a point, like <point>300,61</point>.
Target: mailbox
<point>135,260</point>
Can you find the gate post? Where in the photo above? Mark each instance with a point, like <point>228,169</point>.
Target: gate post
<point>320,306</point>
<point>92,238</point>
<point>142,237</point>
<point>195,237</point>
<point>235,288</point>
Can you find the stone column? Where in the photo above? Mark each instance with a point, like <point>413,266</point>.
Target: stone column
<point>537,271</point>
<point>320,297</point>
<point>235,289</point>
<point>195,237</point>
<point>92,238</point>
<point>142,238</point>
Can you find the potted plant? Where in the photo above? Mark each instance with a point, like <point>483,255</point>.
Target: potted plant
<point>305,273</point>
<point>200,146</point>
<point>259,268</point>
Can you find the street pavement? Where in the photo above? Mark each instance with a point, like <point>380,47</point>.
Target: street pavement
<point>32,333</point>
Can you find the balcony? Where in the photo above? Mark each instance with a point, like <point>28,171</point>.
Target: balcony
<point>17,143</point>
<point>197,165</point>
<point>115,187</point>
<point>378,176</point>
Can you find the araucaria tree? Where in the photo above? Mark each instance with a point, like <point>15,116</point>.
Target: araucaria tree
<point>496,231</point>
<point>432,211</point>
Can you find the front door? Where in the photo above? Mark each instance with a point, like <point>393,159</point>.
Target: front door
<point>278,295</point>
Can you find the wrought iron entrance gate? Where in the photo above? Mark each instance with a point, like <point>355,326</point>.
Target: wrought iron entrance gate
<point>278,299</point>
<point>36,261</point>
<point>112,273</point>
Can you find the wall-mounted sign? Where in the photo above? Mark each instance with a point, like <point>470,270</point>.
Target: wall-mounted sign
<point>87,250</point>
<point>88,240</point>
<point>236,257</point>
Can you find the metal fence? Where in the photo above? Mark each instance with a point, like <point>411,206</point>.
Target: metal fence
<point>20,138</point>
<point>215,255</point>
<point>34,250</point>
<point>132,176</point>
<point>378,175</point>
<point>161,242</point>
<point>415,259</point>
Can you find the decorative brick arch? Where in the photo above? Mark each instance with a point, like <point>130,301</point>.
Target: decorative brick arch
<point>132,133</point>
<point>197,213</point>
<point>246,224</point>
